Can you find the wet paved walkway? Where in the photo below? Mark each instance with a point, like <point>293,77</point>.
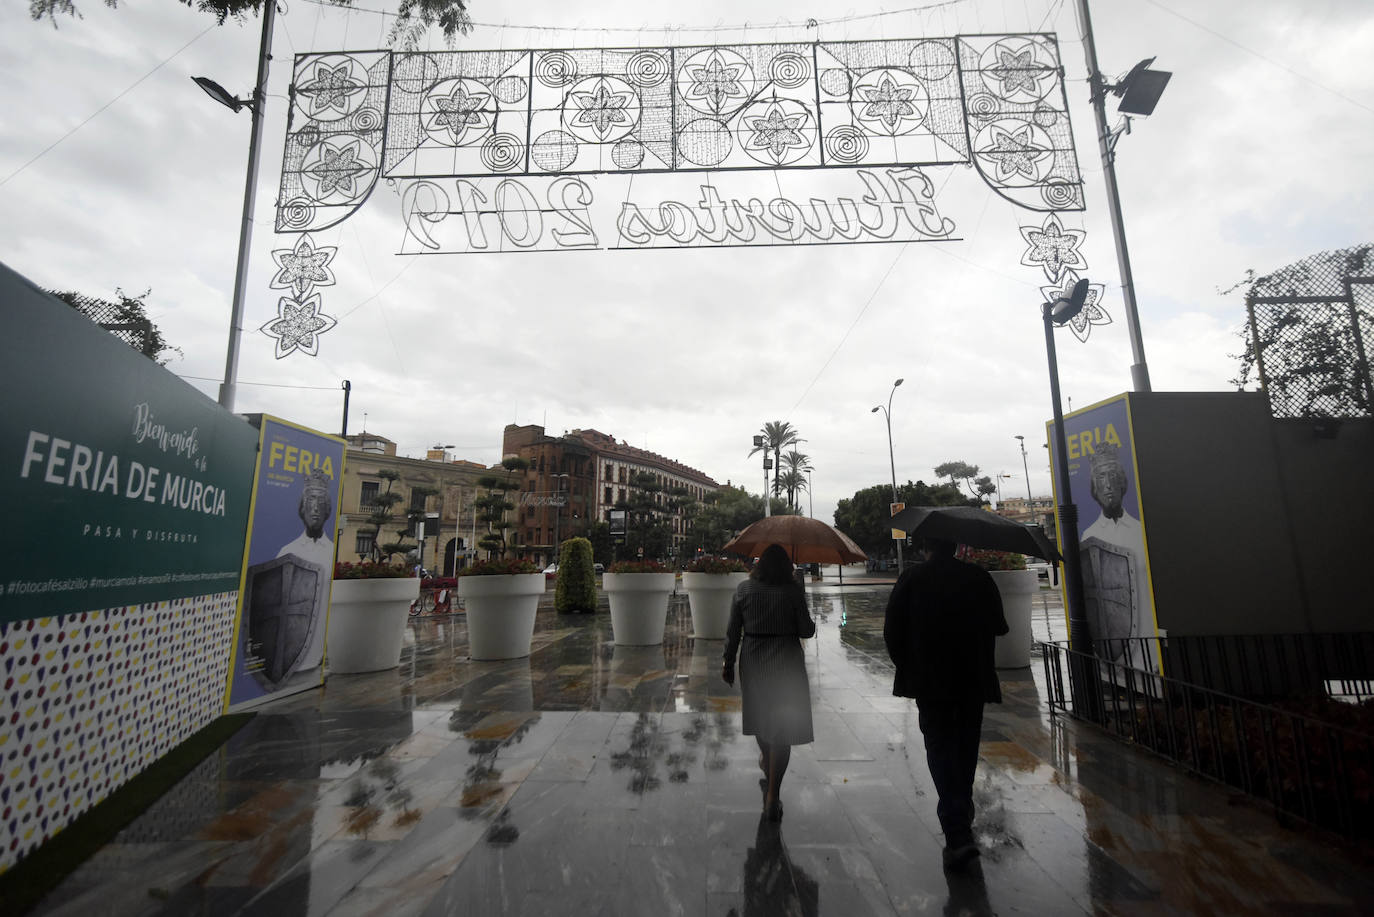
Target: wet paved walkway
<point>597,779</point>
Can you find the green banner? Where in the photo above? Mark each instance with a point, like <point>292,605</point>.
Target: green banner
<point>121,484</point>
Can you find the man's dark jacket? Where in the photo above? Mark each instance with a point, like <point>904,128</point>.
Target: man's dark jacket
<point>942,622</point>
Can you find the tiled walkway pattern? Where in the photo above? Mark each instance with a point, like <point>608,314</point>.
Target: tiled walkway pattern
<point>597,779</point>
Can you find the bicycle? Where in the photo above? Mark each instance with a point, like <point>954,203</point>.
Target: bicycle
<point>432,601</point>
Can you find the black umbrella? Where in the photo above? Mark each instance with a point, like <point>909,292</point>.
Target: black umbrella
<point>977,528</point>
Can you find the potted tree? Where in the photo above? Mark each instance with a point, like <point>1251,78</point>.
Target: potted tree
<point>500,598</point>
<point>576,587</point>
<point>711,583</point>
<point>1017,585</point>
<point>638,591</point>
<point>369,605</point>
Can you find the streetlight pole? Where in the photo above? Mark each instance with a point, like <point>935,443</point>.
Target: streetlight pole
<point>228,388</point>
<point>1081,672</point>
<point>1140,372</point>
<point>557,510</point>
<point>1025,467</point>
<point>767,463</point>
<point>891,460</point>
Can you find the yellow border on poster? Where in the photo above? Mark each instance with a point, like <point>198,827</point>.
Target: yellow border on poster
<point>248,542</point>
<point>1124,397</point>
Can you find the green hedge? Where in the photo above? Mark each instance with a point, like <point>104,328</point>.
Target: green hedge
<point>576,589</point>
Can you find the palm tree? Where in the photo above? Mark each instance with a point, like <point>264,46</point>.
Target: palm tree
<point>797,464</point>
<point>794,482</point>
<point>776,434</point>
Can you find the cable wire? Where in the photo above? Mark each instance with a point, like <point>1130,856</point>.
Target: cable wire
<point>93,114</point>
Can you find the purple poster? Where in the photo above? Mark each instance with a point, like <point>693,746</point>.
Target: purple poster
<point>1104,483</point>
<point>288,563</point>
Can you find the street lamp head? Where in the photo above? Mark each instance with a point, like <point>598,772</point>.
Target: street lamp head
<point>897,383</point>
<point>876,409</point>
<point>1064,308</point>
<point>220,94</point>
<point>1020,437</point>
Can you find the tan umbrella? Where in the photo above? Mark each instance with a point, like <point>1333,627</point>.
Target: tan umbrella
<point>806,540</point>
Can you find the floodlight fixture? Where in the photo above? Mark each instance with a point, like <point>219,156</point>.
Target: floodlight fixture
<point>1141,88</point>
<point>221,95</point>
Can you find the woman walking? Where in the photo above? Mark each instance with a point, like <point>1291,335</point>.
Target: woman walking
<point>768,618</point>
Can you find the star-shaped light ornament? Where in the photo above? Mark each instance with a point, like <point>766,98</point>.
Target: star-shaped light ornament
<point>717,82</point>
<point>331,88</point>
<point>601,108</point>
<point>1092,312</point>
<point>1018,70</point>
<point>459,113</point>
<point>303,267</point>
<point>777,132</point>
<point>888,102</point>
<point>1014,152</point>
<point>298,326</point>
<point>337,169</point>
<point>1053,248</point>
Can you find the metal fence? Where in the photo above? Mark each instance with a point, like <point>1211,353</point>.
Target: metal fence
<point>1311,324</point>
<point>1261,666</point>
<point>1315,770</point>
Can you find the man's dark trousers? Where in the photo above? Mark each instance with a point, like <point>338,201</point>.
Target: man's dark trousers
<point>951,730</point>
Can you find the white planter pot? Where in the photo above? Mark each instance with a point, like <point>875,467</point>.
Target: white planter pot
<point>500,612</point>
<point>709,596</point>
<point>367,623</point>
<point>1017,587</point>
<point>639,606</point>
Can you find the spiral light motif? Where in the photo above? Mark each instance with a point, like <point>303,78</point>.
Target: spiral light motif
<point>984,106</point>
<point>298,213</point>
<point>555,69</point>
<point>502,152</point>
<point>846,143</point>
<point>647,68</point>
<point>366,119</point>
<point>789,70</point>
<point>1061,194</point>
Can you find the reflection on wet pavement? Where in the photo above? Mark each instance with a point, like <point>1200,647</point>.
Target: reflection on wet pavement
<point>591,778</point>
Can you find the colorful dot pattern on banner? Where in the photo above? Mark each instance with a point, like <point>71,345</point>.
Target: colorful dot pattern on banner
<point>91,699</point>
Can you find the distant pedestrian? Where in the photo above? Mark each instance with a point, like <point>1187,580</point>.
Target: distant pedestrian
<point>768,619</point>
<point>942,621</point>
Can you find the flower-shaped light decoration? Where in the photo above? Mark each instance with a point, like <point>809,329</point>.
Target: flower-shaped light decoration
<point>779,135</point>
<point>888,102</point>
<point>716,84</point>
<point>298,326</point>
<point>1092,312</point>
<point>460,113</point>
<point>602,109</point>
<point>303,267</point>
<point>330,90</point>
<point>1053,248</point>
<point>335,168</point>
<point>1015,152</point>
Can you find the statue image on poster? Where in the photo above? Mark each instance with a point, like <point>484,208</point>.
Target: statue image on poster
<point>279,647</point>
<point>1112,549</point>
<point>288,594</point>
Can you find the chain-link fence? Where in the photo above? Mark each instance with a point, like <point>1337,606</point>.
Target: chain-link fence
<point>1311,324</point>
<point>115,318</point>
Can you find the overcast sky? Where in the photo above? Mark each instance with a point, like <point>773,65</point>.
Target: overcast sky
<point>116,171</point>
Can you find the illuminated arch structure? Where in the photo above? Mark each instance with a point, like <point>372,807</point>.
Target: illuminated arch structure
<point>513,150</point>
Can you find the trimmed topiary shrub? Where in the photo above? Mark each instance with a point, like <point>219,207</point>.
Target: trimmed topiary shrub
<point>576,588</point>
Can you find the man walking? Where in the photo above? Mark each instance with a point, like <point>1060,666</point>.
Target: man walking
<point>940,629</point>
